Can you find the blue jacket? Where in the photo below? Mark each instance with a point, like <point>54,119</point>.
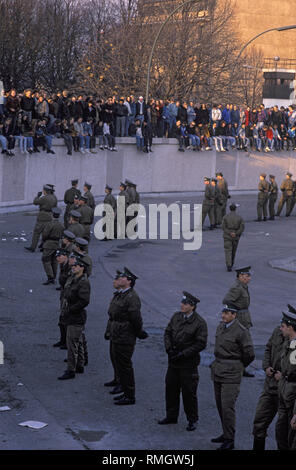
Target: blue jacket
<point>226,115</point>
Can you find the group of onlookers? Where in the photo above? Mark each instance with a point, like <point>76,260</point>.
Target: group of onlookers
<point>34,118</point>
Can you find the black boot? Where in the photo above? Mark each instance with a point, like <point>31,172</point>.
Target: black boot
<point>167,421</point>
<point>218,439</point>
<point>28,248</point>
<point>259,443</point>
<point>116,390</point>
<point>67,375</point>
<point>113,383</point>
<point>49,281</point>
<point>191,426</point>
<point>227,445</point>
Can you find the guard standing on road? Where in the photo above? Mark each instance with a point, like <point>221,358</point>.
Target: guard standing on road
<point>123,193</point>
<point>87,216</point>
<point>263,188</point>
<point>293,200</point>
<point>185,337</point>
<point>69,199</point>
<point>51,237</point>
<point>285,429</point>
<point>208,203</point>
<point>233,351</point>
<point>273,194</point>
<point>91,200</point>
<point>46,201</point>
<point>116,381</point>
<point>287,195</point>
<point>76,299</point>
<point>267,406</point>
<point>222,185</point>
<point>233,226</point>
<point>65,273</point>
<point>125,327</point>
<point>218,201</point>
<point>109,228</point>
<point>238,296</point>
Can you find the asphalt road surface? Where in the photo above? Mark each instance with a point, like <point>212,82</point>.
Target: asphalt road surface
<point>80,413</point>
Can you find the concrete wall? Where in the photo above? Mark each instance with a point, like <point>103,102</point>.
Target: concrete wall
<point>164,170</point>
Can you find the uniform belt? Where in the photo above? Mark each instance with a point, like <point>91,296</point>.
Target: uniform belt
<point>227,360</point>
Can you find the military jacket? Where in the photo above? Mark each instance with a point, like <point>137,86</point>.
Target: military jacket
<point>87,215</point>
<point>70,195</point>
<point>273,189</point>
<point>52,234</point>
<point>287,187</point>
<point>91,200</point>
<point>272,358</point>
<point>125,194</point>
<point>223,186</point>
<point>209,196</point>
<point>263,188</point>
<point>287,383</point>
<point>132,195</point>
<point>45,203</point>
<point>77,296</point>
<point>125,317</point>
<point>232,222</point>
<point>77,229</point>
<point>238,295</point>
<point>110,199</point>
<point>188,336</point>
<point>233,352</point>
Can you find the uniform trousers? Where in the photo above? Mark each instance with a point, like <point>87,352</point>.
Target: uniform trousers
<point>185,381</point>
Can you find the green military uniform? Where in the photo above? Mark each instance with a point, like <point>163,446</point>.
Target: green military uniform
<point>70,238</point>
<point>69,201</point>
<point>123,193</point>
<point>238,295</point>
<point>268,401</point>
<point>263,188</point>
<point>208,205</point>
<point>125,325</point>
<point>232,223</point>
<point>285,435</point>
<point>51,237</point>
<point>111,201</point>
<point>186,336</point>
<point>76,297</point>
<point>224,196</point>
<point>45,203</point>
<point>86,220</point>
<point>132,197</point>
<point>91,200</point>
<point>77,229</point>
<point>287,195</point>
<point>217,204</point>
<point>273,194</point>
<point>65,279</point>
<point>116,380</point>
<point>233,351</point>
<point>293,200</point>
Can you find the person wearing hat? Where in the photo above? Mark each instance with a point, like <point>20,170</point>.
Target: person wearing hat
<point>75,225</point>
<point>233,226</point>
<point>62,257</point>
<point>80,246</point>
<point>68,239</point>
<point>185,337</point>
<point>115,382</point>
<point>69,199</point>
<point>273,194</point>
<point>126,325</point>
<point>208,204</point>
<point>233,352</point>
<point>46,201</point>
<point>87,216</point>
<point>109,228</point>
<point>123,193</point>
<point>287,195</point>
<point>285,429</point>
<point>222,185</point>
<point>91,200</point>
<point>263,188</point>
<point>52,186</point>
<point>267,406</point>
<point>76,298</point>
<point>51,237</point>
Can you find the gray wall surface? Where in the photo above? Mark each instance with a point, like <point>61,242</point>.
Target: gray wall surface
<point>164,170</point>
